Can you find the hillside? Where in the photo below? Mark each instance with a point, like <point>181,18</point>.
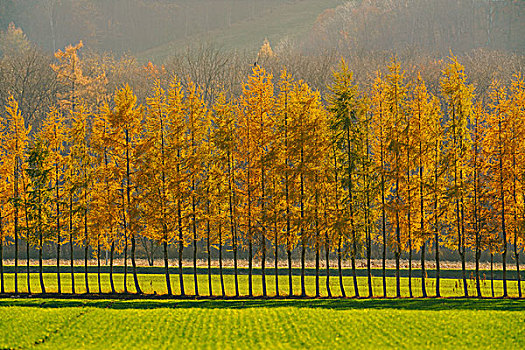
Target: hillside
<point>288,20</point>
<point>153,30</point>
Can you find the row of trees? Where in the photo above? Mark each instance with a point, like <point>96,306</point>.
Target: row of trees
<point>276,168</point>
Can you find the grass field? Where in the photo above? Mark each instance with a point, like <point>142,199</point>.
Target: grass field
<point>271,324</point>
<point>155,283</point>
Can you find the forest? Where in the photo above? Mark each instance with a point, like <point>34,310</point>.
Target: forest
<point>277,168</point>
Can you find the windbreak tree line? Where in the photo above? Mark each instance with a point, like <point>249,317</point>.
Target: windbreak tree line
<point>276,169</point>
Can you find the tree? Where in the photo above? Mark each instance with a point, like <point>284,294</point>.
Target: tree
<point>224,139</point>
<point>285,171</point>
<point>53,132</point>
<point>125,120</point>
<point>459,97</point>
<point>154,167</point>
<point>15,147</point>
<point>105,190</point>
<point>39,196</point>
<point>197,120</point>
<point>395,94</point>
<point>347,109</point>
<point>256,106</point>
<point>379,149</point>
<point>420,107</point>
<point>81,176</point>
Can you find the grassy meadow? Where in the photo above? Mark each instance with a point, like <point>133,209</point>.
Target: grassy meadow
<point>270,324</point>
<point>155,283</point>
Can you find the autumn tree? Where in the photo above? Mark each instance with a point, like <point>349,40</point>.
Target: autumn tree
<point>15,144</point>
<point>256,106</point>
<point>458,94</point>
<point>125,120</point>
<point>347,109</point>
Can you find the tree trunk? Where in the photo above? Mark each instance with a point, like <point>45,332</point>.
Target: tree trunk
<point>327,251</point>
<point>134,264</point>
<point>2,287</point>
<point>166,266</point>
<point>86,251</point>
<point>58,264</point>
<point>235,271</point>
<point>276,262</point>
<point>72,262</point>
<point>195,280</point>
<point>369,261</point>
<point>290,282</point>
<point>181,248</point>
<point>303,263</point>
<point>223,292</point>
<point>518,276</point>
<point>478,253</point>
<point>383,228</point>
<point>28,271</point>
<point>263,265</point>
<point>317,291</point>
<point>58,228</point>
<point>40,267</point>
<point>340,267</point>
<point>125,262</point>
<point>492,273</point>
<point>436,239</point>
<point>98,269</point>
<point>250,258</point>
<point>423,270</point>
<point>16,252</point>
<point>111,254</point>
<point>208,247</point>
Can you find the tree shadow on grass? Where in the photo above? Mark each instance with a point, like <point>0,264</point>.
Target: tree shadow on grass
<point>328,304</point>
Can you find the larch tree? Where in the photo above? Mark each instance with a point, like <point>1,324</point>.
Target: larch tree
<point>396,95</point>
<point>436,181</point>
<point>197,120</point>
<point>346,106</point>
<point>81,170</point>
<point>420,107</point>
<point>379,149</point>
<point>458,94</point>
<point>125,119</point>
<point>176,139</point>
<point>53,130</point>
<point>224,139</point>
<point>105,191</point>
<point>283,108</point>
<point>499,141</point>
<point>255,108</point>
<point>158,207</point>
<point>516,111</point>
<point>39,194</point>
<point>15,143</point>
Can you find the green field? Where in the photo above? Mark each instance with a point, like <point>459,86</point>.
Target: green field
<point>274,323</point>
<point>154,283</point>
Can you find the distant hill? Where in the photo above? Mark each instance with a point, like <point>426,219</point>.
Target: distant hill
<point>152,30</point>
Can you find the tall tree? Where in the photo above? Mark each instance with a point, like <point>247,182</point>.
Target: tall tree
<point>458,94</point>
<point>256,106</point>
<point>54,133</point>
<point>125,121</point>
<point>347,108</point>
<point>15,147</point>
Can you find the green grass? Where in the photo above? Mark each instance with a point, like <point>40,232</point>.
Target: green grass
<point>244,324</point>
<point>155,283</point>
